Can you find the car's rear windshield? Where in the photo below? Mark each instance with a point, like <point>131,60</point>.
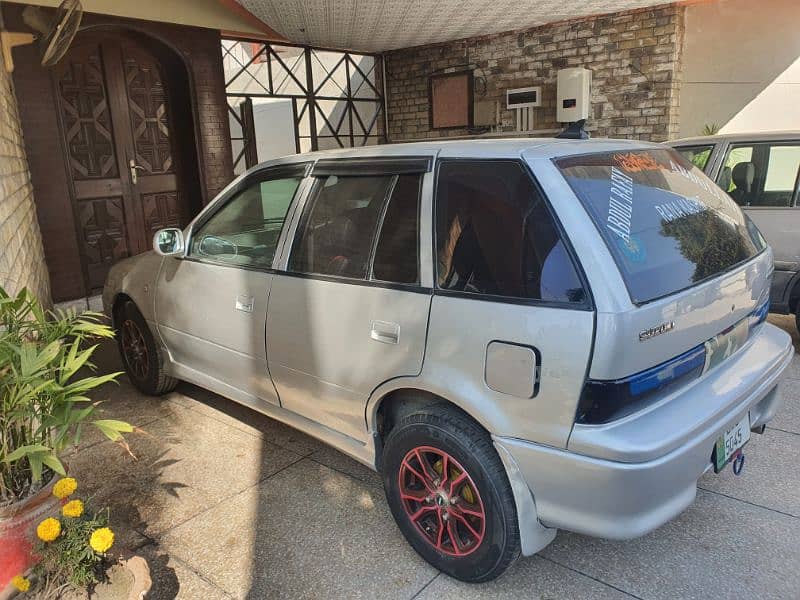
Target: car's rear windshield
<point>667,225</point>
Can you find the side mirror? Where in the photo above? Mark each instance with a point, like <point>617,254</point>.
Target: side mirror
<point>168,242</point>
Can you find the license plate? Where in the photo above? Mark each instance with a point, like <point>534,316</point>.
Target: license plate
<point>731,441</point>
<point>726,343</point>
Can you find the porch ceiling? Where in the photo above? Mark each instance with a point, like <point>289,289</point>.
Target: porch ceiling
<point>378,25</point>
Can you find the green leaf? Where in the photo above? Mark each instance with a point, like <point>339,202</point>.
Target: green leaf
<point>35,460</point>
<point>113,429</point>
<point>51,460</point>
<point>26,451</point>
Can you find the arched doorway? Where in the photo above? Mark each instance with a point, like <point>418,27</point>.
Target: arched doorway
<point>128,134</point>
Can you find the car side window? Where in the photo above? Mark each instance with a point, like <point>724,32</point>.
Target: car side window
<point>697,155</point>
<point>762,174</point>
<point>496,236</point>
<point>338,226</point>
<point>397,251</point>
<point>246,229</point>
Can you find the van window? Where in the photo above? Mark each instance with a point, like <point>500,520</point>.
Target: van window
<point>697,155</point>
<point>246,230</point>
<point>666,224</point>
<point>762,174</point>
<point>396,255</point>
<point>338,227</point>
<point>496,236</point>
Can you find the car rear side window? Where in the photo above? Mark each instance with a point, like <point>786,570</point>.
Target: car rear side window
<point>338,226</point>
<point>495,235</point>
<point>396,254</point>
<point>666,224</point>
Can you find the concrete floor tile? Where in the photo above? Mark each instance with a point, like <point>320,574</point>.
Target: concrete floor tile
<point>173,580</point>
<point>309,532</point>
<point>788,415</point>
<point>334,459</point>
<point>531,577</point>
<point>718,548</point>
<point>770,478</point>
<point>184,463</point>
<point>243,418</point>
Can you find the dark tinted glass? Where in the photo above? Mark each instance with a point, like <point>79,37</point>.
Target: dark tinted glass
<point>246,230</point>
<point>697,155</point>
<point>494,235</point>
<point>667,225</point>
<point>396,253</point>
<point>338,226</point>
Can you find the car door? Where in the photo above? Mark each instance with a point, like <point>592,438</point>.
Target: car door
<point>348,311</point>
<point>764,182</point>
<point>211,304</point>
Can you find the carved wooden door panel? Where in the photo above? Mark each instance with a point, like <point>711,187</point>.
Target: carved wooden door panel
<point>115,125</point>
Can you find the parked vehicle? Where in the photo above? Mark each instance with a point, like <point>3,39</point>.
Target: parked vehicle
<point>760,171</point>
<point>519,335</point>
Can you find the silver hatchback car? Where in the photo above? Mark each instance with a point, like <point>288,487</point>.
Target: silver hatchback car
<point>521,336</point>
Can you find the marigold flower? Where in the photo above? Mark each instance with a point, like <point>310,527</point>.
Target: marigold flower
<point>49,529</point>
<point>101,539</point>
<point>65,487</point>
<point>73,508</point>
<point>21,583</point>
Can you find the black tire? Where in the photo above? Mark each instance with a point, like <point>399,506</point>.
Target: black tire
<point>456,436</point>
<point>797,319</point>
<point>141,356</point>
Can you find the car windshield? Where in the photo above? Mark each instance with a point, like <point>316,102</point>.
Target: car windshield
<point>667,225</point>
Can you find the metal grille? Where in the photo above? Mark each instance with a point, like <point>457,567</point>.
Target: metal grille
<point>284,98</point>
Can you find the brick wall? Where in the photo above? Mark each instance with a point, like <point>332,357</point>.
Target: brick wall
<point>21,252</point>
<point>634,57</point>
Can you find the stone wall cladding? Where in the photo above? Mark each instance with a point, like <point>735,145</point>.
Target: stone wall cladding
<point>21,252</point>
<point>634,56</point>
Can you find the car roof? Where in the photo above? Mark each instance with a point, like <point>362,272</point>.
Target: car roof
<point>756,136</point>
<point>530,148</point>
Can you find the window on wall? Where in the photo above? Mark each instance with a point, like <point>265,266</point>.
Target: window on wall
<point>285,99</point>
<point>245,231</point>
<point>495,235</point>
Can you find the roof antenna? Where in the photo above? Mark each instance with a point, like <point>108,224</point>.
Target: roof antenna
<point>574,131</point>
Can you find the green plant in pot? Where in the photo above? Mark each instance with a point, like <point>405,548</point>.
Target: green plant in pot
<point>44,359</point>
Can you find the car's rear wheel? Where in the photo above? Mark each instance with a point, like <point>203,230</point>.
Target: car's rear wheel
<point>449,493</point>
<point>141,356</point>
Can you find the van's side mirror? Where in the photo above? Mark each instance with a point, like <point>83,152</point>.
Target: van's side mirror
<point>168,242</point>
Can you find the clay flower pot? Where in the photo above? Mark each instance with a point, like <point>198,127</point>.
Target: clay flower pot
<point>18,523</point>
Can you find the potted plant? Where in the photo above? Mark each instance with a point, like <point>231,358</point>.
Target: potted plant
<point>43,408</point>
<point>73,552</point>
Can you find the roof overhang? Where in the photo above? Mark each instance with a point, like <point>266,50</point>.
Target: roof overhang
<point>380,25</point>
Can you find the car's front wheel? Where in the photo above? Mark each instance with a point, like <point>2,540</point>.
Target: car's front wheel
<point>140,353</point>
<point>449,493</point>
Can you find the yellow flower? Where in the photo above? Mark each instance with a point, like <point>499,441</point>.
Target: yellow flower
<point>73,508</point>
<point>49,529</point>
<point>21,583</point>
<point>65,487</point>
<point>101,539</point>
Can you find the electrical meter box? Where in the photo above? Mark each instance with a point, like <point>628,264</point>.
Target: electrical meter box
<point>573,90</point>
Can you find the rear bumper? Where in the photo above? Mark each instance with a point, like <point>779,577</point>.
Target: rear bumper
<point>619,499</point>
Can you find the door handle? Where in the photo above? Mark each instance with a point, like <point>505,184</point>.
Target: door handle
<point>384,332</point>
<point>134,174</point>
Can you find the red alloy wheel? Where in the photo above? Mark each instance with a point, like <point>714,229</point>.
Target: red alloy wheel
<point>441,499</point>
<point>135,349</point>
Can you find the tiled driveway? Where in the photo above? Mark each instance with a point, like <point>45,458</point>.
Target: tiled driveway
<point>224,502</point>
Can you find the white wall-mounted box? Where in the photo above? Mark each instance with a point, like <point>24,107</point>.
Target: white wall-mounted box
<point>573,94</point>
<point>526,97</point>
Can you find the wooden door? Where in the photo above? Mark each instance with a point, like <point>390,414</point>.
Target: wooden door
<point>120,153</point>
